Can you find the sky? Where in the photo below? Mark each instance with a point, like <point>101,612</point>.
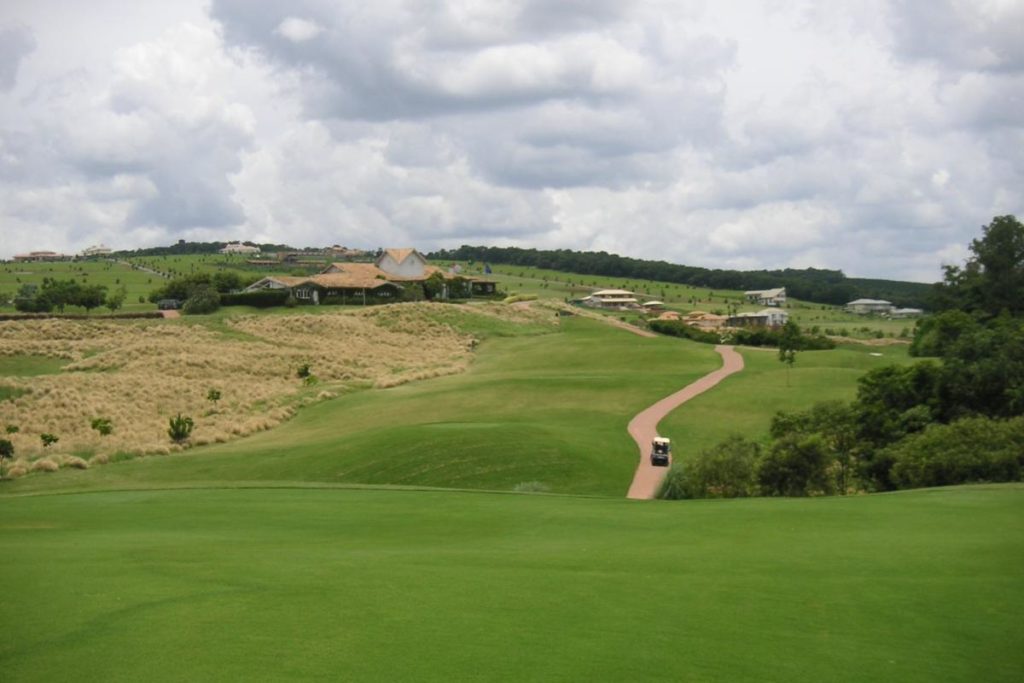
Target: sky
<point>871,136</point>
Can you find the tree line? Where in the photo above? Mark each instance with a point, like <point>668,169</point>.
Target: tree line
<point>810,284</point>
<point>957,416</point>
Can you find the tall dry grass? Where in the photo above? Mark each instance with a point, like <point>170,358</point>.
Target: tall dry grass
<point>139,373</point>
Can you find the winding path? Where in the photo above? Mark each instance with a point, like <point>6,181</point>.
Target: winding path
<point>644,427</point>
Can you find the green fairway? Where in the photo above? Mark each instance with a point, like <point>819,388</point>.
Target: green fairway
<point>549,408</point>
<point>372,585</point>
<point>745,403</point>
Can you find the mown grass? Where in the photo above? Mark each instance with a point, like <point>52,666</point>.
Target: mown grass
<point>745,402</point>
<point>404,585</point>
<point>549,408</point>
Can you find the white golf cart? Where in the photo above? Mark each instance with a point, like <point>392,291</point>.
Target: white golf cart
<point>661,451</point>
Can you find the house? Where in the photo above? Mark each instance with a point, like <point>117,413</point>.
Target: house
<point>614,299</point>
<point>98,250</point>
<point>769,317</point>
<point>654,305</point>
<point>906,312</point>
<point>867,306</point>
<point>767,297</point>
<point>40,256</point>
<point>396,275</point>
<point>705,321</point>
<point>239,248</point>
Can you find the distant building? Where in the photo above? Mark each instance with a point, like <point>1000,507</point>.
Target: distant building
<point>868,306</point>
<point>41,256</point>
<point>239,248</point>
<point>769,317</point>
<point>767,297</point>
<point>94,251</point>
<point>905,312</point>
<point>616,299</point>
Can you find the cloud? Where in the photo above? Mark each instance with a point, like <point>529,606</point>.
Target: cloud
<point>16,43</point>
<point>874,137</point>
<point>299,30</point>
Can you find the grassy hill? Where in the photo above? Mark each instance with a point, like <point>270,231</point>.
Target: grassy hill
<point>406,585</point>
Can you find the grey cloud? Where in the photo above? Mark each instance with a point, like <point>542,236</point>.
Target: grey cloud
<point>16,43</point>
<point>963,35</point>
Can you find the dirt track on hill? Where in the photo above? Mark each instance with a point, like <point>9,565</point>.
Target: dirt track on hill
<point>644,427</point>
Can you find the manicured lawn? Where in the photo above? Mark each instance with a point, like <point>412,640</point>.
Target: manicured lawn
<point>550,408</point>
<point>297,584</point>
<point>745,403</point>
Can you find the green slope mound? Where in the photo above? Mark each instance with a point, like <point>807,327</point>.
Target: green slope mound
<point>372,585</point>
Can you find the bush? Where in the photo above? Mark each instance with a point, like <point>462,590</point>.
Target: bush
<point>103,425</point>
<point>48,439</point>
<point>729,470</point>
<point>677,328</point>
<point>264,298</point>
<point>673,486</point>
<point>969,450</point>
<point>796,466</point>
<point>180,428</point>
<point>204,299</point>
<point>44,465</point>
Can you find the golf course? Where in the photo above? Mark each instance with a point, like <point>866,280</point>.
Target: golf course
<point>474,526</point>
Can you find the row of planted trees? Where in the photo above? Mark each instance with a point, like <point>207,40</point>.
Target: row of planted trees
<point>956,416</point>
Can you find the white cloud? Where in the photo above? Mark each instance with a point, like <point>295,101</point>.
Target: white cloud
<point>719,134</point>
<point>299,30</point>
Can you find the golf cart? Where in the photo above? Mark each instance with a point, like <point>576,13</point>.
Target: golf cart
<point>661,450</point>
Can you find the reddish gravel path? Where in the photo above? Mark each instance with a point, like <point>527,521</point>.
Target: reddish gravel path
<point>644,427</point>
<point>171,314</point>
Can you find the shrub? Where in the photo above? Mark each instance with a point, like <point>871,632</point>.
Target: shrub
<point>12,429</point>
<point>969,450</point>
<point>204,299</point>
<point>677,328</point>
<point>672,487</point>
<point>213,395</point>
<point>180,428</point>
<point>103,425</point>
<point>48,439</point>
<point>76,462</point>
<point>795,466</point>
<point>303,372</point>
<point>729,470</point>
<point>264,298</point>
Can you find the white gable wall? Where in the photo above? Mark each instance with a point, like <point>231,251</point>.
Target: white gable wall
<point>414,265</point>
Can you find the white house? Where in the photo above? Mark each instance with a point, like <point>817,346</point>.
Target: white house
<point>767,297</point>
<point>97,250</point>
<point>239,248</point>
<point>403,263</point>
<point>611,298</point>
<point>906,312</point>
<point>769,317</point>
<point>866,306</point>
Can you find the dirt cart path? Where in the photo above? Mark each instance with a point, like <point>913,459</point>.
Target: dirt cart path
<point>644,427</point>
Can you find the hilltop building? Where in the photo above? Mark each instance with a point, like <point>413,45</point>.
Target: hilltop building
<point>96,251</point>
<point>41,256</point>
<point>867,306</point>
<point>239,248</point>
<point>769,317</point>
<point>767,297</point>
<point>395,273</point>
<point>615,299</point>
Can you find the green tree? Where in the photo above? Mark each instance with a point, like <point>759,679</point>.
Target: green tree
<point>795,466</point>
<point>728,470</point>
<point>213,395</point>
<point>992,278</point>
<point>116,299</point>
<point>90,297</point>
<point>204,299</point>
<point>48,439</point>
<point>12,429</point>
<point>789,342</point>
